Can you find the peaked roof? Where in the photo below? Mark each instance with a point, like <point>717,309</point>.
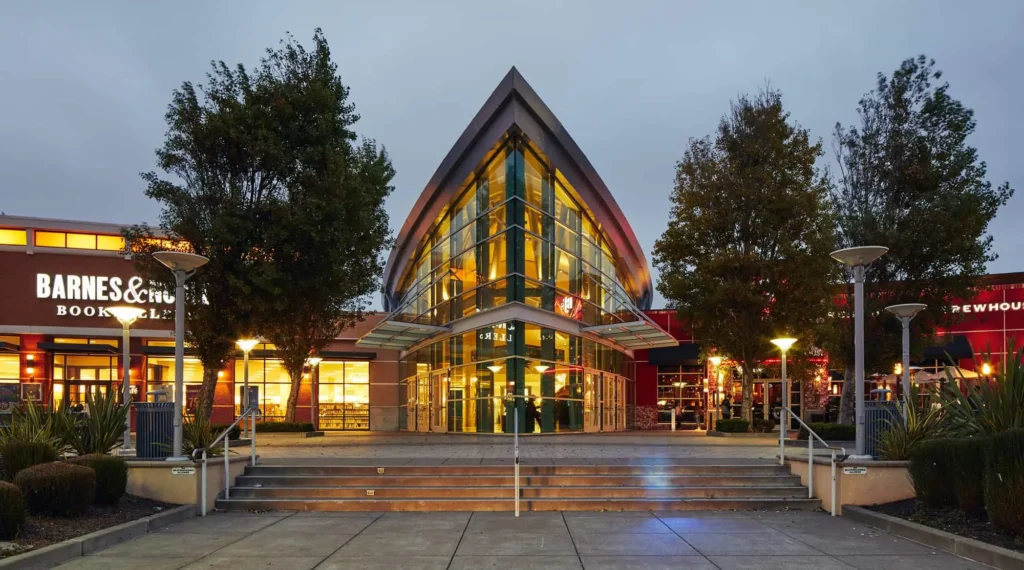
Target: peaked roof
<point>515,104</point>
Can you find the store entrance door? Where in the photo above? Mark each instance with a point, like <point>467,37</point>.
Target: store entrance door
<point>438,402</point>
<point>78,392</point>
<point>591,402</point>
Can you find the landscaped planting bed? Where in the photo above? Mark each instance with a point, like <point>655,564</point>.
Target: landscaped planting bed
<point>41,531</point>
<point>951,520</point>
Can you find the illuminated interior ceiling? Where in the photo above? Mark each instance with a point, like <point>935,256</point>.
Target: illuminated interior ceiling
<point>634,335</point>
<point>398,335</point>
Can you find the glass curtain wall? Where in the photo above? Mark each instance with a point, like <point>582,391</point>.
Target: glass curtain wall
<point>460,384</point>
<point>517,232</point>
<point>343,395</point>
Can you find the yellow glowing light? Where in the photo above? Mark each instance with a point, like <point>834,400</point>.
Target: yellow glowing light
<point>784,343</point>
<point>986,369</point>
<point>30,371</point>
<point>541,368</point>
<point>898,369</point>
<point>495,368</point>
<point>220,374</point>
<point>715,360</point>
<point>246,344</point>
<point>30,357</point>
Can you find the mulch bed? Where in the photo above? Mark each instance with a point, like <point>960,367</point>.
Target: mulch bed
<point>953,521</point>
<point>41,531</point>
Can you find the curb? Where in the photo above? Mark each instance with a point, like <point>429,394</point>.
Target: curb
<point>769,435</point>
<point>976,550</point>
<point>54,554</point>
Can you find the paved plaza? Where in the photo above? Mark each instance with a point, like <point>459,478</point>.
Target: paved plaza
<point>702,540</point>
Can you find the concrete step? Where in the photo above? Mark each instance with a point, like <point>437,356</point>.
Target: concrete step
<point>376,504</point>
<point>525,492</point>
<point>501,470</point>
<point>376,481</point>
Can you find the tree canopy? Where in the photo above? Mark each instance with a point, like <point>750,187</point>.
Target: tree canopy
<point>745,256</point>
<point>909,181</point>
<point>264,175</point>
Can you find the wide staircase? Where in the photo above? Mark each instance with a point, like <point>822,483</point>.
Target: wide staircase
<point>543,488</point>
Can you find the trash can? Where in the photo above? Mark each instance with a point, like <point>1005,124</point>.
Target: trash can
<point>877,415</point>
<point>154,429</point>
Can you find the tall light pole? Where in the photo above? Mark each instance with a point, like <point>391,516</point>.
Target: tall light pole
<point>314,389</point>
<point>784,345</point>
<point>857,258</point>
<point>126,316</point>
<point>246,345</point>
<point>184,266</point>
<point>906,313</point>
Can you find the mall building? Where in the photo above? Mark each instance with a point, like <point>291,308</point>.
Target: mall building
<point>516,277</point>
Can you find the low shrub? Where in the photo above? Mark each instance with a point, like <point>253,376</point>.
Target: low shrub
<point>235,433</point>
<point>111,476</point>
<point>733,425</point>
<point>1004,480</point>
<point>830,432</point>
<point>967,465</point>
<point>906,429</point>
<point>931,472</point>
<point>284,426</point>
<point>762,425</point>
<point>12,510</point>
<point>18,455</point>
<point>57,489</point>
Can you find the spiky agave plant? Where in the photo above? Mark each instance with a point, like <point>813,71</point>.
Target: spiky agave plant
<point>908,427</point>
<point>99,431</point>
<point>986,406</point>
<point>33,425</point>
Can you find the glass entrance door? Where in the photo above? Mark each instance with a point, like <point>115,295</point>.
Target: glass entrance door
<point>439,402</point>
<point>591,402</point>
<point>76,377</point>
<point>423,403</point>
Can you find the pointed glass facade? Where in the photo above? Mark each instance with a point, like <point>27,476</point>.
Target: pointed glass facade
<point>506,287</point>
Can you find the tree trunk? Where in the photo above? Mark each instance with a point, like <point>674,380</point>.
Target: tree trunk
<point>207,392</point>
<point>293,395</point>
<point>848,399</point>
<point>747,382</point>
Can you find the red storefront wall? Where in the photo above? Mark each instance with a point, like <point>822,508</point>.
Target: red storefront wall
<point>647,374</point>
<point>993,321</point>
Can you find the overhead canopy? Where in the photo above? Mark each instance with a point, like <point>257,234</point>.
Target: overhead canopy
<point>398,335</point>
<point>634,335</point>
<point>958,348</point>
<point>685,354</point>
<point>68,347</point>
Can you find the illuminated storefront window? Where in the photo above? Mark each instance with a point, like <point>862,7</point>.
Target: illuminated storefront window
<point>273,382</point>
<point>160,376</point>
<point>344,395</point>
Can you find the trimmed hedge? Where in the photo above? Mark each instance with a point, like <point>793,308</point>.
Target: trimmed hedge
<point>18,455</point>
<point>1004,480</point>
<point>12,510</point>
<point>762,425</point>
<point>931,471</point>
<point>284,426</point>
<point>732,425</point>
<point>57,489</point>
<point>235,433</point>
<point>830,432</point>
<point>111,476</point>
<point>967,467</point>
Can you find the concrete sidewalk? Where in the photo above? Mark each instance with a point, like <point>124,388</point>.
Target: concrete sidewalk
<point>704,540</point>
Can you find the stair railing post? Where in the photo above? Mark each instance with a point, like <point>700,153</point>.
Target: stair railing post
<point>783,418</point>
<point>810,466</point>
<point>833,482</point>
<point>252,436</point>
<point>227,471</point>
<point>202,508</point>
<point>515,435</point>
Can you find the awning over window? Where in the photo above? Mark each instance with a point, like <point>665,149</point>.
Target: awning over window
<point>958,348</point>
<point>398,335</point>
<point>686,354</point>
<point>634,335</point>
<point>8,347</point>
<point>164,351</point>
<point>68,347</point>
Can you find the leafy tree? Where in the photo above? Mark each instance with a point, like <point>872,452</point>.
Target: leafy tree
<point>327,233</point>
<point>910,181</point>
<point>745,256</point>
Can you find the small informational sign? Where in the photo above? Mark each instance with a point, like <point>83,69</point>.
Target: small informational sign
<point>380,471</point>
<point>183,470</point>
<point>855,470</point>
<point>369,492</point>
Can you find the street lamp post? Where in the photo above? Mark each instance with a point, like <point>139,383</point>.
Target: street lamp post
<point>126,316</point>
<point>184,266</point>
<point>857,258</point>
<point>314,388</point>
<point>784,345</point>
<point>246,345</point>
<point>905,313</point>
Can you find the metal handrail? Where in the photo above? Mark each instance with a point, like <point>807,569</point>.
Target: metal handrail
<point>515,439</point>
<point>811,436</point>
<point>251,412</point>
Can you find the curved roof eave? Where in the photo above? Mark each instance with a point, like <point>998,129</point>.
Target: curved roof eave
<point>515,103</point>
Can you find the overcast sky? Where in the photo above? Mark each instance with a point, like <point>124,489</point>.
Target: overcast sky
<point>84,85</point>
